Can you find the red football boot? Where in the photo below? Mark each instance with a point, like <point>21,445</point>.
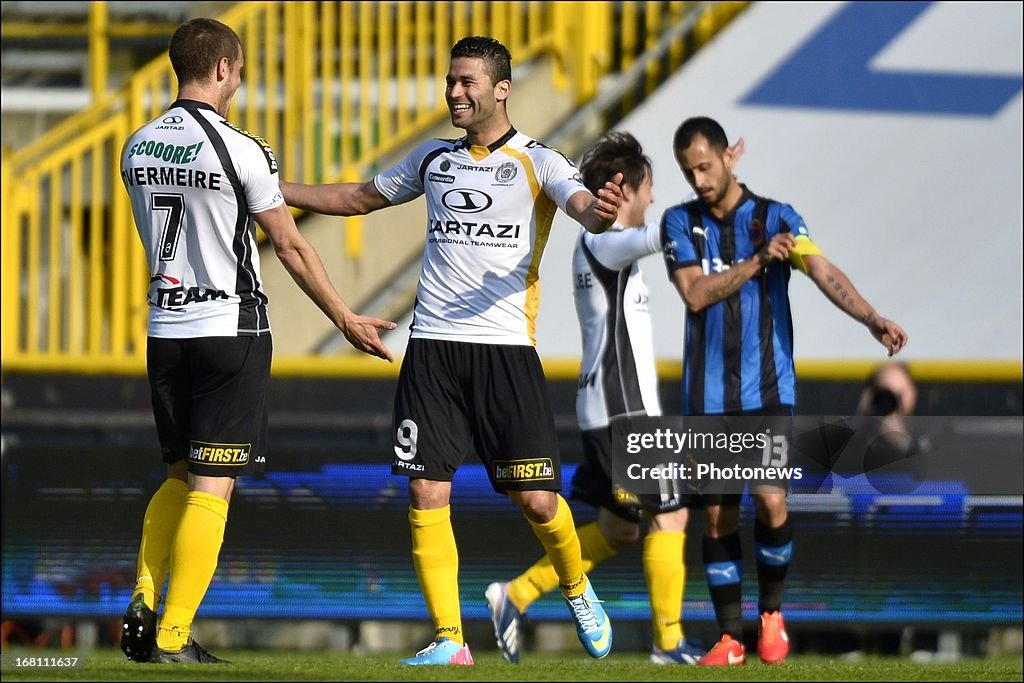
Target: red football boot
<point>726,652</point>
<point>772,640</point>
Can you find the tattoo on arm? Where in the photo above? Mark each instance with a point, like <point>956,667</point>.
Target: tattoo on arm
<point>726,285</point>
<point>841,293</point>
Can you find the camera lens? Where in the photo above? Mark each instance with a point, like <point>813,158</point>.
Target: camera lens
<point>884,402</point>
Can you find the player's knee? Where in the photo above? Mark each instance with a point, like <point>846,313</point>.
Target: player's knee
<point>222,487</point>
<point>426,494</point>
<point>670,521</point>
<point>178,470</point>
<point>722,520</point>
<point>771,509</point>
<point>539,507</point>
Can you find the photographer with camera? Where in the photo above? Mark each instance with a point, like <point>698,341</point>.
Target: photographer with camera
<point>891,446</point>
<point>890,391</point>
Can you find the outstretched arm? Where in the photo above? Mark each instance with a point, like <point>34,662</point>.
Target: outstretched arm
<point>337,199</point>
<point>700,291</point>
<point>841,292</point>
<point>304,265</point>
<point>597,213</point>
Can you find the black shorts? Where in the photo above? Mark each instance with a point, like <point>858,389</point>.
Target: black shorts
<point>210,401</point>
<point>592,483</point>
<point>454,398</point>
<point>779,420</point>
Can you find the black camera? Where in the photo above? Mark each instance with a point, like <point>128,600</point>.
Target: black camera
<point>883,402</point>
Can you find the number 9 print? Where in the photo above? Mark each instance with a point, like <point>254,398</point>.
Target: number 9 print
<point>406,438</point>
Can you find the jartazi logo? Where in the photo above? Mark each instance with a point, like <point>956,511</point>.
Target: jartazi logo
<point>536,469</point>
<point>171,123</point>
<point>466,201</point>
<point>411,466</point>
<point>219,453</point>
<point>500,230</point>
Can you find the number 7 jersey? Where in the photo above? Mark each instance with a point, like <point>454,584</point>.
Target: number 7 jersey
<point>194,181</point>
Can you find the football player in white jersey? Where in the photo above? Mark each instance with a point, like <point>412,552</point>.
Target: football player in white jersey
<point>196,185</point>
<point>617,379</point>
<point>471,381</point>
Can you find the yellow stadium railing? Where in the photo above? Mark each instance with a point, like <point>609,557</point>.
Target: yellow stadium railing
<point>98,29</point>
<point>335,87</point>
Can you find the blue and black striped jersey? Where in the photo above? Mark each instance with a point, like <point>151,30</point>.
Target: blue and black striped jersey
<point>738,352</point>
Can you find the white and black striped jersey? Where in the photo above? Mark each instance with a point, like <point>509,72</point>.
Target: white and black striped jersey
<point>489,213</point>
<point>195,180</point>
<point>617,376</point>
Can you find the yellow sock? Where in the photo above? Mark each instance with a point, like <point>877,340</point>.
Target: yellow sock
<point>158,526</point>
<point>541,578</point>
<point>436,559</point>
<point>193,562</point>
<point>563,547</point>
<point>666,576</point>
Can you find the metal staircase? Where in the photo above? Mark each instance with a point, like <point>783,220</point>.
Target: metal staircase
<point>338,89</point>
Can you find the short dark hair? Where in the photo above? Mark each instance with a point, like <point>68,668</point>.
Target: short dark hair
<point>613,152</point>
<point>497,59</point>
<point>700,125</point>
<point>198,45</point>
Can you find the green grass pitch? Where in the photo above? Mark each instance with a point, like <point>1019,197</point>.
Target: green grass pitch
<point>108,665</point>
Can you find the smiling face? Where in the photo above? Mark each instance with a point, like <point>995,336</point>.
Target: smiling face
<point>475,103</point>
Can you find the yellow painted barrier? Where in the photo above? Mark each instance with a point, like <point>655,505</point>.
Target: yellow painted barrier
<point>335,87</point>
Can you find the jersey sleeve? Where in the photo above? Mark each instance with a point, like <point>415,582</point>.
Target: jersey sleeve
<point>256,167</point>
<point>616,249</point>
<point>559,178</point>
<point>403,182</point>
<point>676,240</point>
<point>788,217</point>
